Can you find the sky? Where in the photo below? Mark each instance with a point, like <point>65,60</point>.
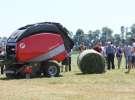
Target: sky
<point>73,14</point>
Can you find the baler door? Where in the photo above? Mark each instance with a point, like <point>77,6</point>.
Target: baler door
<point>40,47</point>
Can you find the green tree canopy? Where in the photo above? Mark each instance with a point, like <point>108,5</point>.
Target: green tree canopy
<point>79,36</point>
<point>79,32</point>
<point>117,39</point>
<point>107,33</point>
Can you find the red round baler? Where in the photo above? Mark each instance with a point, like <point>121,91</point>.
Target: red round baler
<point>37,48</point>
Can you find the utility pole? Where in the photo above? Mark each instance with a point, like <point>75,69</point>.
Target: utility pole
<point>122,33</point>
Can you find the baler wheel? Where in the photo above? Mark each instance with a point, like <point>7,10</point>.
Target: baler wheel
<point>52,69</point>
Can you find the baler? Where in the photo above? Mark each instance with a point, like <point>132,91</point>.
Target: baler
<point>36,49</point>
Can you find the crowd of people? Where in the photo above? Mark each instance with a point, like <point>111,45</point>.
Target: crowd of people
<point>110,51</point>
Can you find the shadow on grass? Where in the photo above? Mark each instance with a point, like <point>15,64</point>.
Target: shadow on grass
<point>80,74</point>
<point>22,78</point>
<point>89,73</point>
<point>3,78</point>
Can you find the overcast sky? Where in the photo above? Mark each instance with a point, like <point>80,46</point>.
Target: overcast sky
<point>74,14</point>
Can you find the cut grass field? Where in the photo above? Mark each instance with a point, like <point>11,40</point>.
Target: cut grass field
<point>112,85</point>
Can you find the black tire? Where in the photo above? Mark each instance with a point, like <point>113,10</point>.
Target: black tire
<point>52,69</point>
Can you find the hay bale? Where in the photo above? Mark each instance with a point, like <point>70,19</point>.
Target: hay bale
<point>90,61</point>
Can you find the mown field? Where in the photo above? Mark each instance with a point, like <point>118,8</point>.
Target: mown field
<point>112,85</point>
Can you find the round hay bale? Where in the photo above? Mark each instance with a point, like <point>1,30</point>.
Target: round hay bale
<point>90,61</point>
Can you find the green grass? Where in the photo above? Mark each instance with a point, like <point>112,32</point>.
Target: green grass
<point>112,85</point>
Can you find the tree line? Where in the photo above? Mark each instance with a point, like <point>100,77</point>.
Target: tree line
<point>104,35</point>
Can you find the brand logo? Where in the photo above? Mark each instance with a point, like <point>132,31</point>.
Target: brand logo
<point>22,45</point>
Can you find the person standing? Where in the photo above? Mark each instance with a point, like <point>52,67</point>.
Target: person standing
<point>133,58</point>
<point>69,60</point>
<point>98,47</point>
<point>65,64</point>
<point>110,52</point>
<point>82,47</point>
<point>103,52</point>
<point>128,56</point>
<point>133,55</point>
<point>119,55</point>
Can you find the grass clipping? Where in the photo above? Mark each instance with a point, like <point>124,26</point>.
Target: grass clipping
<point>90,62</point>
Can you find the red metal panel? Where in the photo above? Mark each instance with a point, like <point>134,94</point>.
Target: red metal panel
<point>61,56</point>
<point>36,45</point>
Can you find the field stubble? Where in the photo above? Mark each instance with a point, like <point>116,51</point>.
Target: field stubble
<point>112,85</point>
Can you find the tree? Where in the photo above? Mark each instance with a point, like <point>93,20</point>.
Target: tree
<point>133,30</point>
<point>129,35</point>
<point>117,39</point>
<point>89,32</point>
<point>90,35</point>
<point>79,35</point>
<point>97,32</point>
<point>107,33</point>
<point>94,36</point>
<point>79,32</point>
